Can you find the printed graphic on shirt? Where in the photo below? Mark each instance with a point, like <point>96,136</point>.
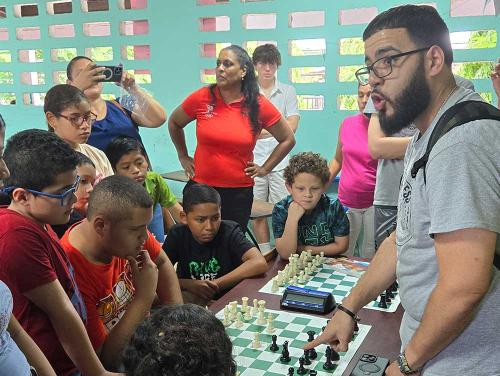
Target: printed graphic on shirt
<point>316,234</point>
<point>204,270</point>
<point>404,229</point>
<point>209,113</point>
<point>111,308</point>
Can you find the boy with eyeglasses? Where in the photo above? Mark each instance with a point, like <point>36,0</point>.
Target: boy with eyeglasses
<point>47,302</point>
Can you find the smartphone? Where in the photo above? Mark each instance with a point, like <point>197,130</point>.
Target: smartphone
<point>112,73</point>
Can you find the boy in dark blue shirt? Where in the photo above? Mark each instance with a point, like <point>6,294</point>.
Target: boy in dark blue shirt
<point>308,219</point>
<point>212,255</point>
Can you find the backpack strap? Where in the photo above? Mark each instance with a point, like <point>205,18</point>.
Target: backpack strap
<point>458,114</point>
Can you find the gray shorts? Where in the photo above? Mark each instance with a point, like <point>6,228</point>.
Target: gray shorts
<point>385,222</point>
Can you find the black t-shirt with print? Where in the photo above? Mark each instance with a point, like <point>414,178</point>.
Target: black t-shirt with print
<point>210,260</point>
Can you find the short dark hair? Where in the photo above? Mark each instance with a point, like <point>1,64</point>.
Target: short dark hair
<point>35,158</point>
<point>266,54</point>
<point>69,68</point>
<point>60,97</point>
<point>180,340</point>
<point>121,146</point>
<point>115,196</point>
<point>199,194</point>
<point>423,23</point>
<point>83,160</point>
<point>307,162</point>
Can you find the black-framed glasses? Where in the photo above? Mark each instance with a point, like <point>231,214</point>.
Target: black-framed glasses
<point>382,67</point>
<point>65,197</point>
<point>79,119</point>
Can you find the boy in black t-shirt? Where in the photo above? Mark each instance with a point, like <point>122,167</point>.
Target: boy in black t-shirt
<point>212,255</point>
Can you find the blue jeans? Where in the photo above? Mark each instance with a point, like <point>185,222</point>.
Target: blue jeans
<point>156,225</point>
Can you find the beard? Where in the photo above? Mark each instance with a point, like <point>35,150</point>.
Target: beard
<point>408,105</point>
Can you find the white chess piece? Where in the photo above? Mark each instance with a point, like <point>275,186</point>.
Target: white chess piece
<point>248,315</point>
<point>239,321</point>
<point>270,328</point>
<point>244,304</point>
<point>261,320</point>
<point>255,308</point>
<point>302,279</point>
<point>294,280</point>
<point>262,304</point>
<point>234,310</point>
<point>274,287</point>
<point>256,341</point>
<point>226,322</point>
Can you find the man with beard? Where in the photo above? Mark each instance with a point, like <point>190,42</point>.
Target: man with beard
<point>390,151</point>
<point>446,236</point>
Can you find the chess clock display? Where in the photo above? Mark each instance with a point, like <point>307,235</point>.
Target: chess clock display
<point>307,300</point>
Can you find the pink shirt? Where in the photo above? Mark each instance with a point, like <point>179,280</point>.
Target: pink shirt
<point>359,169</point>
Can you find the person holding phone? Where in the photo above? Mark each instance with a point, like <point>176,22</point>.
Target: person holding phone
<point>112,118</point>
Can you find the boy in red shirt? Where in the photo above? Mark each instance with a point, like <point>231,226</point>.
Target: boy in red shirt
<point>47,302</point>
<point>119,265</point>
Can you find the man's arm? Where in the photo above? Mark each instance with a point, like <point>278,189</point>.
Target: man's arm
<point>382,146</point>
<point>380,275</point>
<point>30,349</point>
<point>465,259</point>
<point>168,289</point>
<point>145,278</point>
<point>337,247</point>
<point>336,163</point>
<point>52,299</point>
<point>286,245</point>
<point>253,264</point>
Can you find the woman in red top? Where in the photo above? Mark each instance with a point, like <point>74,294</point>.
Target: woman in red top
<point>229,117</point>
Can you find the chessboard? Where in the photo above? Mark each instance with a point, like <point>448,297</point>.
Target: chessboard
<point>259,360</point>
<point>321,273</point>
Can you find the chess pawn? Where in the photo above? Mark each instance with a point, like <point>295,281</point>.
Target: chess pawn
<point>262,304</point>
<point>322,255</point>
<point>248,315</point>
<point>302,279</point>
<point>294,281</point>
<point>309,255</point>
<point>226,322</point>
<point>274,287</point>
<point>261,320</point>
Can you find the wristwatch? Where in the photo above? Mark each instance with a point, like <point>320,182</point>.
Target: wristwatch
<point>404,367</point>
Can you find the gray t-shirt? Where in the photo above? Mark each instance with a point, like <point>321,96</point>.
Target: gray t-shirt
<point>462,191</point>
<point>389,171</point>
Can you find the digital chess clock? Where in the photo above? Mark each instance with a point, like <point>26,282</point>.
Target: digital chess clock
<point>307,300</point>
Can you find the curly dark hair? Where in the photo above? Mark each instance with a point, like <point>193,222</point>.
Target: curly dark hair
<point>309,162</point>
<point>180,340</point>
<point>249,87</point>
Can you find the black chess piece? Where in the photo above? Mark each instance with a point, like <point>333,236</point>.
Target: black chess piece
<point>313,372</point>
<point>291,371</point>
<point>301,370</point>
<point>395,286</point>
<point>274,346</point>
<point>334,355</point>
<point>307,359</point>
<point>382,303</point>
<point>356,327</point>
<point>389,294</point>
<point>323,328</point>
<point>328,366</point>
<point>313,354</point>
<point>285,355</point>
<point>310,334</point>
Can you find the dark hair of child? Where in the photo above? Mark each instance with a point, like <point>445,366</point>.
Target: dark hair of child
<point>83,160</point>
<point>182,340</point>
<point>307,162</point>
<point>60,97</point>
<point>115,196</point>
<point>35,159</point>
<point>199,194</point>
<point>121,146</point>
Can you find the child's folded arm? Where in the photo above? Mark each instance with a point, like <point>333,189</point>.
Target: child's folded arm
<point>335,248</point>
<point>253,264</point>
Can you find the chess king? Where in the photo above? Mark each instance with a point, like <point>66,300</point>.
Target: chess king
<point>448,222</point>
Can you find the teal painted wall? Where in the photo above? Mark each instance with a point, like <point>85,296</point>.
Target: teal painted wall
<point>175,58</point>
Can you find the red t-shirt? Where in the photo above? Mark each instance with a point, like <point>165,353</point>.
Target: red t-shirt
<point>225,140</point>
<point>106,289</point>
<point>30,257</point>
